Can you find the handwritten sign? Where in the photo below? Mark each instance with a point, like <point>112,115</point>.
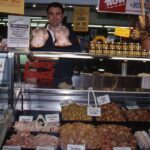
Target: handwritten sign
<point>81,19</point>
<point>26,118</point>
<point>75,147</point>
<point>12,6</point>
<point>11,148</point>
<point>52,118</point>
<point>93,111</point>
<point>123,32</point>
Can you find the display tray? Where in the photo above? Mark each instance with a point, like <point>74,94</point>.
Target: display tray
<point>135,126</point>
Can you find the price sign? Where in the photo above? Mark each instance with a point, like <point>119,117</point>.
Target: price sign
<point>52,118</point>
<point>11,148</point>
<point>133,107</point>
<point>123,32</point>
<point>103,100</point>
<point>75,147</point>
<point>121,148</point>
<point>44,148</point>
<point>93,111</point>
<point>26,118</point>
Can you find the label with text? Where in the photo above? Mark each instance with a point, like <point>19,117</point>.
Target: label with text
<point>93,111</point>
<point>44,148</point>
<point>103,100</point>
<point>122,148</point>
<point>75,147</point>
<point>26,118</point>
<point>11,148</point>
<point>51,118</point>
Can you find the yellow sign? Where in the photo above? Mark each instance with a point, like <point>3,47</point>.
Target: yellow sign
<point>123,32</point>
<point>12,6</point>
<point>81,19</point>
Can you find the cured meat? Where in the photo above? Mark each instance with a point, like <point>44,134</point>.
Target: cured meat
<point>32,126</point>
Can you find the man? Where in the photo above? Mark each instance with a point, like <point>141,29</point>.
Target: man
<point>64,67</point>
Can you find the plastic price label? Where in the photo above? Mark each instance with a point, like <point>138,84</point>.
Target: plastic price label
<point>93,111</point>
<point>11,148</point>
<point>26,118</point>
<point>103,100</point>
<point>51,118</point>
<point>44,148</point>
<point>75,147</point>
<point>122,148</point>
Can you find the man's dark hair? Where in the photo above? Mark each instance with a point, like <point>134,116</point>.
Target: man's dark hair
<point>55,4</point>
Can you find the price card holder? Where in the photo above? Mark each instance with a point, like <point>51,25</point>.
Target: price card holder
<point>101,100</point>
<point>122,148</point>
<point>93,111</point>
<point>52,118</point>
<point>44,148</point>
<point>26,118</point>
<point>11,148</point>
<point>75,147</point>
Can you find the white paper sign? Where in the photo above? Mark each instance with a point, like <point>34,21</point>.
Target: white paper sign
<point>103,100</point>
<point>75,147</point>
<point>44,148</point>
<point>18,31</point>
<point>93,111</point>
<point>51,118</point>
<point>11,148</point>
<point>133,107</point>
<point>2,65</point>
<point>145,82</point>
<point>133,7</point>
<point>121,148</point>
<point>26,118</point>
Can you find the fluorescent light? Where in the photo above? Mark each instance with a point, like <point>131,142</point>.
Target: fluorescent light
<point>115,27</point>
<point>40,20</point>
<point>128,58</point>
<point>35,17</point>
<point>92,25</point>
<point>101,70</point>
<point>62,55</point>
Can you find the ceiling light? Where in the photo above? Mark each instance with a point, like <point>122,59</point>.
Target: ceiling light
<point>34,5</point>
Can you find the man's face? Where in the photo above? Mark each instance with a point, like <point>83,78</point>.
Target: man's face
<point>55,16</point>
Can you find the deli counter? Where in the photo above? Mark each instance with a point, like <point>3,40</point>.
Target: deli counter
<point>118,103</point>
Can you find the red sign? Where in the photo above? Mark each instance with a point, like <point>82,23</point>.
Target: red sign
<point>42,72</point>
<point>112,5</point>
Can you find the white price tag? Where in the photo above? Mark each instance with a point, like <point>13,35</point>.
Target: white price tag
<point>122,148</point>
<point>44,148</point>
<point>133,107</point>
<point>11,148</point>
<point>93,111</point>
<point>50,118</point>
<point>26,118</point>
<point>75,147</point>
<point>103,100</point>
<point>1,117</point>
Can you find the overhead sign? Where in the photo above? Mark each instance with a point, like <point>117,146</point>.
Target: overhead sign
<point>12,6</point>
<point>81,19</point>
<point>18,31</point>
<point>120,6</point>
